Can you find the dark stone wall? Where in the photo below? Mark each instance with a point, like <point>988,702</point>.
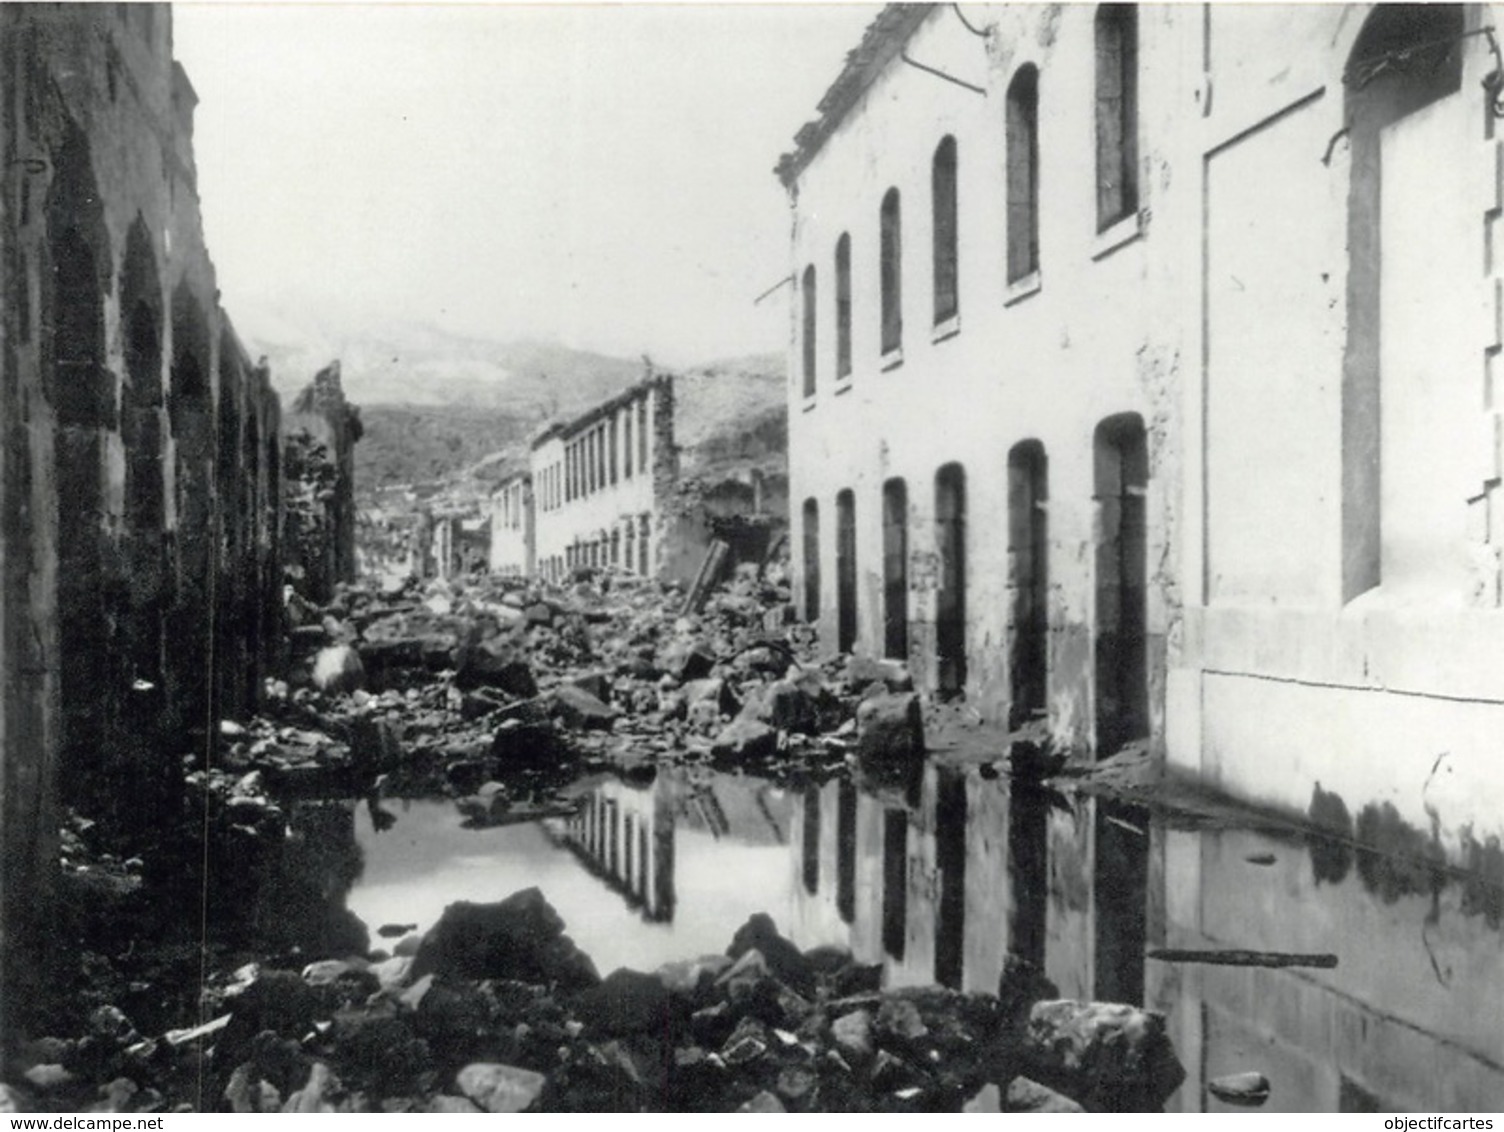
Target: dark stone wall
<point>139,485</point>
<point>322,429</point>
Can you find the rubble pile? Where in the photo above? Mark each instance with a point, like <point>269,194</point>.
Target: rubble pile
<point>500,690</point>
<point>497,1010</point>
<point>504,694</point>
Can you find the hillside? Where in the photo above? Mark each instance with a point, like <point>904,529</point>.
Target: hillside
<point>442,407</point>
<point>405,444</point>
<point>732,414</point>
<point>726,394</point>
<point>417,364</point>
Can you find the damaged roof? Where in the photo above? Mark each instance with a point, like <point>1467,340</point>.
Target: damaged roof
<point>575,425</point>
<point>884,38</point>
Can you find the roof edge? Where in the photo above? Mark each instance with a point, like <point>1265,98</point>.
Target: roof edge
<point>567,429</point>
<point>884,39</point>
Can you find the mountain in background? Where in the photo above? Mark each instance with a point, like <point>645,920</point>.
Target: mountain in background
<point>412,363</point>
<point>439,406</point>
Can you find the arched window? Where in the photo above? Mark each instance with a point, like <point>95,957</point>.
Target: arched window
<point>1023,173</point>
<point>843,307</point>
<point>891,267</point>
<point>1121,475</point>
<point>943,201</point>
<point>896,570</point>
<point>846,570</point>
<point>81,391</point>
<point>811,560</point>
<point>950,593</point>
<point>808,289</point>
<point>1029,579</point>
<point>1117,113</point>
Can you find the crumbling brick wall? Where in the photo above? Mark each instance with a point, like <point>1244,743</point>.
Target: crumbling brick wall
<point>139,484</point>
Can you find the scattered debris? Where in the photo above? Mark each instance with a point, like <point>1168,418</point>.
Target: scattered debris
<point>1234,958</point>
<point>1247,1090</point>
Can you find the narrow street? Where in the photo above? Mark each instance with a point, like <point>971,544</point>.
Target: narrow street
<point>751,558</point>
<point>419,868</point>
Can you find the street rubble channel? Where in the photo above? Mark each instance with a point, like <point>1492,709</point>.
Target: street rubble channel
<point>185,994</point>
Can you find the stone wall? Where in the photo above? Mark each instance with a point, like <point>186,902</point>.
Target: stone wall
<point>140,486</point>
<point>321,431</point>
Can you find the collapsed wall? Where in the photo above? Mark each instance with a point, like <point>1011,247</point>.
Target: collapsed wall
<point>614,488</point>
<point>140,484</point>
<point>319,462</point>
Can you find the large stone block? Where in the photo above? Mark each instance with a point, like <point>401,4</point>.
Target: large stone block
<point>890,727</point>
<point>1108,1057</point>
<point>521,937</point>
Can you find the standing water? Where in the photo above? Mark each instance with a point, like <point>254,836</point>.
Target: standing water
<point>940,878</point>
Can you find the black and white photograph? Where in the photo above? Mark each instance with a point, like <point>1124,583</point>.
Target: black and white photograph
<point>751,557</point>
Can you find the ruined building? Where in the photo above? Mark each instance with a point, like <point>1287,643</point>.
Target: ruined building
<point>513,551</point>
<point>615,488</point>
<point>601,482</point>
<point>139,494</point>
<point>457,542</point>
<point>1124,402</point>
<point>321,431</point>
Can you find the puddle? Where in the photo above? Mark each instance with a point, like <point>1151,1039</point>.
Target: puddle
<point>623,906</point>
<point>938,878</point>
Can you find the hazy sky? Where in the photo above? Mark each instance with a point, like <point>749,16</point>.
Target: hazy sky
<point>596,174</point>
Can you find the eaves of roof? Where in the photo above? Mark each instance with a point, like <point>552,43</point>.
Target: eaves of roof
<point>884,39</point>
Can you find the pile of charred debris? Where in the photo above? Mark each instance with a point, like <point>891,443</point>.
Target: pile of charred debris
<point>500,693</point>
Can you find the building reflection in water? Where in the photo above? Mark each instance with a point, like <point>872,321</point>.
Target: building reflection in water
<point>624,833</point>
<point>940,882</point>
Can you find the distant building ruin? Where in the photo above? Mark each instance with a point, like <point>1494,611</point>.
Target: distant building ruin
<point>611,489</point>
<point>321,431</point>
<point>601,482</point>
<point>513,534</point>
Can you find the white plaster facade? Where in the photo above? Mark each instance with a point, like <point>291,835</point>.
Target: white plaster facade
<point>511,508</point>
<point>602,478</point>
<point>1093,335</point>
<point>1367,660</point>
<point>1320,559</point>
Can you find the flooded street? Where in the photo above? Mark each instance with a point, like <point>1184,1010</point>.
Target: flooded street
<point>967,577</point>
<point>428,859</point>
<point>939,878</point>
